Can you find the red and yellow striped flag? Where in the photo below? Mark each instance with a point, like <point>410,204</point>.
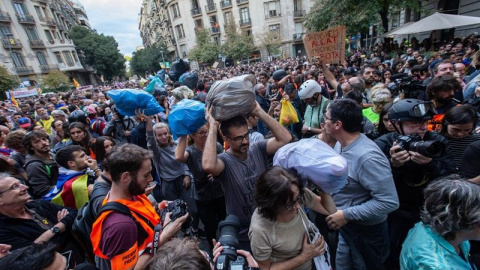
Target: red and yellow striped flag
<point>13,100</point>
<point>77,85</point>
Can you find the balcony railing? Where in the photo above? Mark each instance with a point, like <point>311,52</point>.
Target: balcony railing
<point>11,43</point>
<point>226,4</point>
<point>4,17</point>
<point>196,11</point>
<point>211,8</point>
<point>298,36</point>
<point>245,22</point>
<point>299,13</point>
<point>36,44</point>
<point>61,27</point>
<point>23,18</point>
<point>214,30</point>
<point>240,2</point>
<point>48,68</point>
<point>24,70</point>
<point>50,21</point>
<point>272,14</point>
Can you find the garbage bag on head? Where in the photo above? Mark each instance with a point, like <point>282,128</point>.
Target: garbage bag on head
<point>129,100</point>
<point>316,161</point>
<point>155,84</point>
<point>182,92</point>
<point>186,117</point>
<point>178,68</point>
<point>189,79</point>
<point>232,97</point>
<point>161,75</point>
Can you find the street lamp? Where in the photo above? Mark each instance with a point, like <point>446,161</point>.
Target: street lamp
<point>10,38</point>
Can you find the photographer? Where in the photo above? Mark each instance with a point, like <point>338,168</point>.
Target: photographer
<point>411,170</point>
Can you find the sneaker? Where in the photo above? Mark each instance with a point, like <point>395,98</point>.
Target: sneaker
<point>198,234</point>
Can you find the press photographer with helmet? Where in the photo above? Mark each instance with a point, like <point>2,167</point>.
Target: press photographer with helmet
<point>417,157</point>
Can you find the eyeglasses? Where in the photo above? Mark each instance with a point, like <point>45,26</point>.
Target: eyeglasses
<point>292,204</point>
<point>326,118</point>
<point>240,139</point>
<point>13,187</point>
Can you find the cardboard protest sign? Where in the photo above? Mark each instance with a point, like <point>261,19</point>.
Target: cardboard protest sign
<point>328,45</point>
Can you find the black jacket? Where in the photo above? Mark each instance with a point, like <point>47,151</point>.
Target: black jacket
<point>412,178</point>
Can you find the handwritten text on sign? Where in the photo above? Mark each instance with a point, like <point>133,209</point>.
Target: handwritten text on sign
<point>328,45</point>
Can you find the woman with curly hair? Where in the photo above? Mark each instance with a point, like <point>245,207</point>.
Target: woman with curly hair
<point>450,217</point>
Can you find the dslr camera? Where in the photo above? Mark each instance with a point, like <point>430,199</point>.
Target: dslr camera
<point>431,149</point>
<point>229,259</point>
<point>178,208</point>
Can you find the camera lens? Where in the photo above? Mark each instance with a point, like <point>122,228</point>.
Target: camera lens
<point>431,149</point>
<point>229,236</point>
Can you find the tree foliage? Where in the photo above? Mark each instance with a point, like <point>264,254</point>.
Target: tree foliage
<point>147,61</point>
<point>7,81</point>
<point>101,52</point>
<point>357,15</point>
<point>270,41</point>
<point>56,80</point>
<point>205,50</point>
<point>238,44</point>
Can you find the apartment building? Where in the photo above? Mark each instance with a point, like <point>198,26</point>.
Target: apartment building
<point>181,19</point>
<point>34,39</point>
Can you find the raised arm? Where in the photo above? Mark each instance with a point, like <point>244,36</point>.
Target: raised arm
<point>281,134</point>
<point>210,162</point>
<point>180,154</point>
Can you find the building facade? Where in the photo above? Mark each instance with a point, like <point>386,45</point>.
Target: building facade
<point>34,39</point>
<point>175,22</point>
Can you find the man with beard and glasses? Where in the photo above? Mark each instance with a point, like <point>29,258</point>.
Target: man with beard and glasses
<point>441,92</point>
<point>120,241</point>
<point>42,170</point>
<point>238,168</point>
<point>310,92</point>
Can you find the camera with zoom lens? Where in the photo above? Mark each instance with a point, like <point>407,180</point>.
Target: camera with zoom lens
<point>229,259</point>
<point>178,208</point>
<point>431,149</point>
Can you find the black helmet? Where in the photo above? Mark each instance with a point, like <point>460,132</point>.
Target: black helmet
<point>77,116</point>
<point>411,110</point>
<point>279,74</point>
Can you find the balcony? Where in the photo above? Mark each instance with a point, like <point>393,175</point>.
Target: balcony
<point>245,22</point>
<point>211,8</point>
<point>61,27</point>
<point>241,2</point>
<point>226,4</point>
<point>298,36</point>
<point>4,17</point>
<point>11,43</point>
<point>196,11</point>
<point>42,1</point>
<point>37,44</point>
<point>214,30</point>
<point>50,21</point>
<point>24,70</point>
<point>272,14</point>
<point>48,68</point>
<point>298,14</point>
<point>26,19</point>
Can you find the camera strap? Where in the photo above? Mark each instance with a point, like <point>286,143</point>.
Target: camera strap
<point>156,238</point>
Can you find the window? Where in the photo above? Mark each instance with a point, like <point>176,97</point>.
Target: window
<point>195,4</point>
<point>39,13</point>
<point>75,57</point>
<point>297,5</point>
<point>17,59</point>
<point>49,35</point>
<point>68,58</point>
<point>198,24</point>
<point>175,11</point>
<point>179,30</point>
<point>272,9</point>
<point>183,50</point>
<point>59,57</point>
<point>228,17</point>
<point>5,31</point>
<point>274,28</point>
<point>31,33</point>
<point>41,59</point>
<point>244,15</point>
<point>20,9</point>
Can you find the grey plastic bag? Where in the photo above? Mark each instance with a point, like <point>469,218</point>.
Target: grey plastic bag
<point>231,97</point>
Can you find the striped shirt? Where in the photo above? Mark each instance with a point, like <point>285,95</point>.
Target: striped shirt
<point>458,146</point>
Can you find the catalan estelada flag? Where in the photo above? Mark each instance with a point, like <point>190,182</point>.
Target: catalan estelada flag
<point>77,85</point>
<point>39,90</point>
<point>13,100</point>
<point>71,189</point>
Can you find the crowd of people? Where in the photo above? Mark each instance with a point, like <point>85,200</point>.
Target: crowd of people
<point>406,123</point>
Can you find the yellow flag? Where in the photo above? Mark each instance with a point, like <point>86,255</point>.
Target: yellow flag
<point>77,85</point>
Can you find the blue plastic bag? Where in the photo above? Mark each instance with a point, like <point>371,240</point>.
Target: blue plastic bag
<point>155,84</point>
<point>129,100</point>
<point>186,117</point>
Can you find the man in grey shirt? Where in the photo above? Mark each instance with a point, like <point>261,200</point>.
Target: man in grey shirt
<point>239,167</point>
<point>369,195</point>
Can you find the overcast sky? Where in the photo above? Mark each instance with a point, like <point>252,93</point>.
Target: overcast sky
<point>117,18</point>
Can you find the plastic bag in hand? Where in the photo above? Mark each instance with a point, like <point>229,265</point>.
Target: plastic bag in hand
<point>314,160</point>
<point>186,117</point>
<point>232,97</point>
<point>288,114</point>
<point>129,100</point>
<point>155,84</point>
<point>182,92</point>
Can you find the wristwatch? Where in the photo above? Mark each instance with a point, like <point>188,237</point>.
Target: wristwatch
<point>309,128</point>
<point>55,230</point>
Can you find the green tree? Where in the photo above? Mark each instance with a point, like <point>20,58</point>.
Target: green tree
<point>357,15</point>
<point>205,50</point>
<point>147,61</point>
<point>7,80</point>
<point>56,80</point>
<point>101,52</point>
<point>238,44</point>
<point>270,41</point>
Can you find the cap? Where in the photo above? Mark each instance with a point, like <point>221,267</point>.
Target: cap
<point>350,71</point>
<point>24,122</point>
<point>279,74</point>
<point>411,110</point>
<point>308,89</point>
